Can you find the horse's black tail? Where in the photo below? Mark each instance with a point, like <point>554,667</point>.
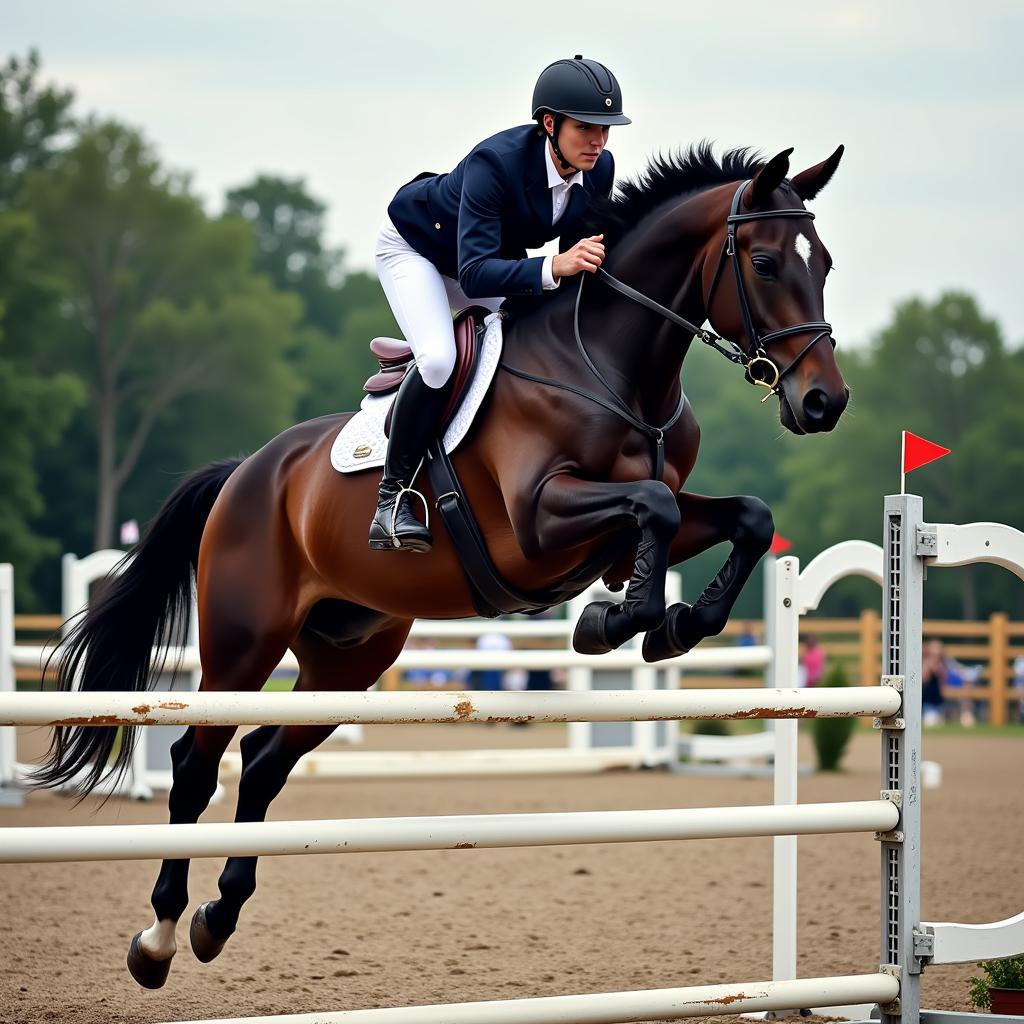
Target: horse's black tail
<point>143,602</point>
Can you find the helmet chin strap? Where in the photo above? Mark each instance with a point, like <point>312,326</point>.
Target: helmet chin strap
<point>559,120</point>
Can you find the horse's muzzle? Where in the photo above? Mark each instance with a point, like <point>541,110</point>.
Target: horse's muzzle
<point>821,410</point>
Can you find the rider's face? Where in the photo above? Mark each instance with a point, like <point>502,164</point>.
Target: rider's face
<point>581,143</point>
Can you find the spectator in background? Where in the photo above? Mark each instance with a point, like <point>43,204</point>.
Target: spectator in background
<point>813,662</point>
<point>934,676</point>
<point>540,679</point>
<point>747,637</point>
<point>516,679</point>
<point>959,675</point>
<point>491,678</point>
<point>419,678</point>
<point>1017,706</point>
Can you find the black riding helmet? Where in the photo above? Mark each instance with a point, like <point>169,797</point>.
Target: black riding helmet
<point>579,88</point>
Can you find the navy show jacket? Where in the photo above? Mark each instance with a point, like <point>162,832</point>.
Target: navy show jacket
<point>476,222</point>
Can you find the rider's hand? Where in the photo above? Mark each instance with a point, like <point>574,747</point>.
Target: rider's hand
<point>587,254</point>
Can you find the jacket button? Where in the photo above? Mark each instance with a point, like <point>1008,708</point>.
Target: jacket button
<point>438,226</point>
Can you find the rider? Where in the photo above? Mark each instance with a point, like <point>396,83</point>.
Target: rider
<point>451,238</point>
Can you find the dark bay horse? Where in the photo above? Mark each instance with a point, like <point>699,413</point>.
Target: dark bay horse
<point>566,491</point>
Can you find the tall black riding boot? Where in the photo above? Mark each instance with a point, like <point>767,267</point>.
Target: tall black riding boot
<point>414,423</point>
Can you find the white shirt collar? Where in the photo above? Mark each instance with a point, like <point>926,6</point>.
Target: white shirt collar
<point>554,178</point>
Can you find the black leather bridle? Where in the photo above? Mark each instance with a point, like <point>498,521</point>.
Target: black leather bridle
<point>754,358</point>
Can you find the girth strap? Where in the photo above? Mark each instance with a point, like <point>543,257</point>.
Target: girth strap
<point>492,594</point>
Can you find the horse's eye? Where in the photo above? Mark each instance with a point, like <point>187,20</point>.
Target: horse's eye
<point>764,265</point>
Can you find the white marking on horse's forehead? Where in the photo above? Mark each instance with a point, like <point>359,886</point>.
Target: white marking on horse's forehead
<point>803,250</point>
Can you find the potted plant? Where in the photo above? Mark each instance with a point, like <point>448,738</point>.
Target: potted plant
<point>1002,987</point>
<point>831,735</point>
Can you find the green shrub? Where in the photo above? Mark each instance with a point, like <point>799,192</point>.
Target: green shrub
<point>1008,973</point>
<point>831,735</point>
<point>711,727</point>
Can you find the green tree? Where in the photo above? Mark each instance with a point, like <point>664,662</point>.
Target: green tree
<point>341,313</point>
<point>35,404</point>
<point>161,303</point>
<point>940,369</point>
<point>34,408</point>
<point>32,120</point>
<point>289,227</point>
<point>367,315</point>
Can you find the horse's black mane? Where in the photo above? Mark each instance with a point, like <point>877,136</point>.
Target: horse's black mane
<point>673,176</point>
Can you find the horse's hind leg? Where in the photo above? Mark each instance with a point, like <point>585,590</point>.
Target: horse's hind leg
<point>269,754</point>
<point>236,656</point>
<point>747,522</point>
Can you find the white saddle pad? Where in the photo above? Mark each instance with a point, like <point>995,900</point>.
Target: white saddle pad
<point>361,443</point>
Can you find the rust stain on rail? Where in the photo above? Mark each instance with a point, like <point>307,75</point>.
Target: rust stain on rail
<point>725,716</point>
<point>141,711</point>
<point>464,846</point>
<point>464,710</point>
<point>770,712</point>
<point>107,720</point>
<point>726,1000</point>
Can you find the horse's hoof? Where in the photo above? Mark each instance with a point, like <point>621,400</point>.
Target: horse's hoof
<point>149,973</point>
<point>591,636</point>
<point>664,642</point>
<point>205,944</point>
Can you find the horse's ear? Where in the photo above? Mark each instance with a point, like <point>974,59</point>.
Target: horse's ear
<point>810,182</point>
<point>768,179</point>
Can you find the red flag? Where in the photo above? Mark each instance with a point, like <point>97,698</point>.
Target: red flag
<point>918,452</point>
<point>780,545</point>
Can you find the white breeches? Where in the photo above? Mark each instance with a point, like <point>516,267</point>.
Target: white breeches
<point>422,299</point>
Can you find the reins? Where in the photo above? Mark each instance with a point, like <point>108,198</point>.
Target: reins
<point>616,405</point>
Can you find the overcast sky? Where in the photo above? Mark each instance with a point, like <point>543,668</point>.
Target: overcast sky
<point>359,97</point>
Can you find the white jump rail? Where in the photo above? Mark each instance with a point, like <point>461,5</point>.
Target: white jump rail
<point>949,544</point>
<point>187,658</point>
<point>330,707</point>
<point>433,764</point>
<point>965,943</point>
<point>56,843</point>
<point>614,1007</point>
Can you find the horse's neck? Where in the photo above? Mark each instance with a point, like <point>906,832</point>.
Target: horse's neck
<point>635,345</point>
<point>638,352</point>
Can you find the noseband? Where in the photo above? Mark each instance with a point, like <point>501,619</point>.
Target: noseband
<point>754,358</point>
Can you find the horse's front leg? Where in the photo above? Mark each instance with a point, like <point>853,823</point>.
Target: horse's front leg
<point>572,512</point>
<point>704,522</point>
